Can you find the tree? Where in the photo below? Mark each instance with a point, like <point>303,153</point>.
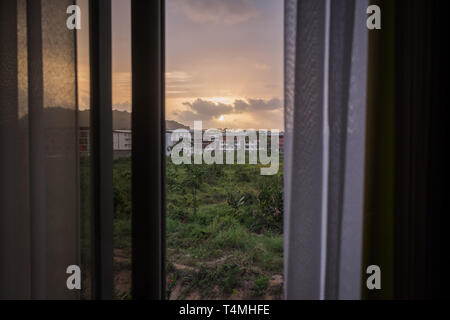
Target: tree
<point>193,179</point>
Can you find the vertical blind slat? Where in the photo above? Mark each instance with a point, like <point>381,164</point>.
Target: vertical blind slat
<point>101,128</point>
<point>148,149</point>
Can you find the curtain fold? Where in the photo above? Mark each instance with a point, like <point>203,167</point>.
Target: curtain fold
<point>304,41</point>
<point>351,226</point>
<point>39,156</point>
<point>14,201</point>
<point>326,62</point>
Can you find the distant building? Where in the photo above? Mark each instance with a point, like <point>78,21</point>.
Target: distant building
<point>169,142</point>
<point>122,140</point>
<point>83,141</point>
<point>122,143</point>
<point>224,146</point>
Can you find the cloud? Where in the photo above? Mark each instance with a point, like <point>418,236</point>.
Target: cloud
<point>208,110</point>
<point>205,110</point>
<point>177,77</point>
<point>255,105</point>
<point>218,11</point>
<point>177,83</point>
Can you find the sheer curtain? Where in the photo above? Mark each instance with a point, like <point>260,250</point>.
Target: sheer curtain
<point>39,156</point>
<point>325,102</point>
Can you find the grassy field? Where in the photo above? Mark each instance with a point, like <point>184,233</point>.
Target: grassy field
<point>224,231</point>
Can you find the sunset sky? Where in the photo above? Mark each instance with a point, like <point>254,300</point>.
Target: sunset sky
<point>224,62</point>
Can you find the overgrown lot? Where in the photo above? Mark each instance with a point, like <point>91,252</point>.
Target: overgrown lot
<point>224,231</point>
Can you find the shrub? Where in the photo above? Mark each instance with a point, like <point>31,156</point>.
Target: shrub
<point>269,215</point>
<point>233,238</point>
<point>195,232</point>
<point>245,216</point>
<point>215,172</point>
<point>229,276</point>
<point>122,188</point>
<point>176,213</point>
<point>172,225</point>
<point>260,285</point>
<point>235,199</point>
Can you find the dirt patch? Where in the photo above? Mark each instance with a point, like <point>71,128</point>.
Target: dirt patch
<point>122,282</point>
<point>122,257</point>
<point>122,274</point>
<point>182,267</point>
<point>176,292</point>
<point>275,289</point>
<point>244,289</point>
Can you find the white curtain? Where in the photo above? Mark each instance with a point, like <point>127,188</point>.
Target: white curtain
<point>325,100</point>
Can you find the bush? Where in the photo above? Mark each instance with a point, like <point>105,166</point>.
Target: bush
<point>215,172</point>
<point>235,199</point>
<point>195,232</point>
<point>260,285</point>
<point>229,276</point>
<point>122,188</point>
<point>176,213</point>
<point>269,215</point>
<point>172,225</point>
<point>232,238</point>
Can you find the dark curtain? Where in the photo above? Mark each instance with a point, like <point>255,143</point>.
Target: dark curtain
<point>406,204</point>
<point>38,150</point>
<point>421,190</point>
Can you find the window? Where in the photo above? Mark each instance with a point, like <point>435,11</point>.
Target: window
<point>224,70</point>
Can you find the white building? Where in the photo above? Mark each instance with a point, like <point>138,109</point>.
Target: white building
<point>239,138</point>
<point>122,143</point>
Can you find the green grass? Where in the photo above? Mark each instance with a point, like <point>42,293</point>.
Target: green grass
<point>231,242</point>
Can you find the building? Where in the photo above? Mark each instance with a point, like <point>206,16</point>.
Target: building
<point>83,140</point>
<point>122,142</point>
<point>122,146</point>
<point>224,146</point>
